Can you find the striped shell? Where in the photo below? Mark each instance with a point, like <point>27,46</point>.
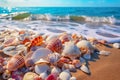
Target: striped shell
<point>15,62</point>
<point>37,41</point>
<point>64,38</point>
<point>55,45</point>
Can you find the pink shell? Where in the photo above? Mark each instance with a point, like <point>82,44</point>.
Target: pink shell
<point>15,62</point>
<point>55,45</point>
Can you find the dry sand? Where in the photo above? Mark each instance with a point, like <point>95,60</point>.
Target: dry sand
<point>104,68</point>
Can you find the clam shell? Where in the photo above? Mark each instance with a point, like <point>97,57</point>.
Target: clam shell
<point>56,70</point>
<point>42,61</point>
<point>15,62</point>
<point>55,45</point>
<point>85,69</point>
<point>40,68</point>
<point>40,53</point>
<point>65,75</point>
<point>43,75</point>
<point>104,53</point>
<point>116,45</point>
<point>71,50</point>
<point>29,76</point>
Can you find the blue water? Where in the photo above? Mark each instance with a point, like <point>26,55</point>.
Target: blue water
<point>87,11</point>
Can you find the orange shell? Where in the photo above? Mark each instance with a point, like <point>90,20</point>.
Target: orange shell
<point>55,45</point>
<point>15,62</point>
<point>37,41</point>
<point>25,41</point>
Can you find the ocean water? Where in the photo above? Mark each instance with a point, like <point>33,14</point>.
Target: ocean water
<point>98,22</point>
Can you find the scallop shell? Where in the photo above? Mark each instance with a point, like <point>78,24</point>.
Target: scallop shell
<point>43,75</point>
<point>56,70</point>
<point>40,53</point>
<point>55,45</point>
<point>65,37</point>
<point>71,50</point>
<point>65,75</point>
<point>85,69</point>
<point>30,76</point>
<point>15,62</point>
<point>40,68</point>
<point>116,45</point>
<point>85,46</point>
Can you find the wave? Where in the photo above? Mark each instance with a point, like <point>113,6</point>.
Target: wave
<point>49,17</point>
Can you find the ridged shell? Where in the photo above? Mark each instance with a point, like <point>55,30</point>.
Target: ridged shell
<point>40,53</point>
<point>85,46</point>
<point>30,76</point>
<point>37,41</point>
<point>55,45</point>
<point>71,50</point>
<point>65,75</point>
<point>65,37</point>
<point>15,62</point>
<point>85,69</point>
<point>51,37</point>
<point>40,68</point>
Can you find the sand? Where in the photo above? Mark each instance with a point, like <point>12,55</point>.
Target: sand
<point>104,68</point>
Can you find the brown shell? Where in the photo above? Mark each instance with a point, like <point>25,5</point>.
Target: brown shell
<point>55,45</point>
<point>15,62</point>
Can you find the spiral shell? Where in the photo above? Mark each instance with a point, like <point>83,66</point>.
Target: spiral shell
<point>55,45</point>
<point>15,62</point>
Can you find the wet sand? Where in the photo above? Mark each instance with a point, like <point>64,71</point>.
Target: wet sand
<point>104,68</point>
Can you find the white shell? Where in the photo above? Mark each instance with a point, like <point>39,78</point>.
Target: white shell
<point>72,68</point>
<point>40,53</point>
<point>85,69</point>
<point>56,70</point>
<point>51,37</point>
<point>71,50</point>
<point>42,61</point>
<point>40,68</point>
<point>73,78</point>
<point>104,53</point>
<point>43,75</point>
<point>116,45</point>
<point>65,75</point>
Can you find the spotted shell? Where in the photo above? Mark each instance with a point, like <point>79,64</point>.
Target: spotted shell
<point>65,37</point>
<point>15,62</point>
<point>55,45</point>
<point>71,50</point>
<point>85,46</point>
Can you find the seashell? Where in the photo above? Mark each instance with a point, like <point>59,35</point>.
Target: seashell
<point>65,37</point>
<point>1,69</point>
<point>73,78</point>
<point>30,76</point>
<point>71,50</point>
<point>40,53</point>
<point>87,56</point>
<point>85,69</point>
<point>1,59</point>
<point>82,60</point>
<point>21,48</point>
<point>104,53</point>
<point>51,37</point>
<point>40,68</point>
<point>43,75</point>
<point>65,75</point>
<point>37,41</point>
<point>102,42</point>
<point>10,50</point>
<point>11,41</point>
<point>15,62</point>
<point>55,70</point>
<point>72,68</point>
<point>65,66</point>
<point>54,57</point>
<point>55,45</point>
<point>85,46</point>
<point>116,45</point>
<point>6,75</point>
<point>25,41</point>
<point>41,61</point>
<point>17,75</point>
<point>52,77</point>
<point>76,63</point>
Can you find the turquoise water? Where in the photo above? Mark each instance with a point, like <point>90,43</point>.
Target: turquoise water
<point>61,11</point>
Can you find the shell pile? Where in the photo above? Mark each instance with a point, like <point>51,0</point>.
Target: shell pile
<point>30,56</point>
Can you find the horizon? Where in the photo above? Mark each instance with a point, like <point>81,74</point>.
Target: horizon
<point>60,3</point>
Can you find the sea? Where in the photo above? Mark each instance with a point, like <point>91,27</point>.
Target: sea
<point>98,22</point>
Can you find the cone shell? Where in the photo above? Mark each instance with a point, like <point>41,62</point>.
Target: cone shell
<point>71,50</point>
<point>30,76</point>
<point>65,75</point>
<point>15,62</point>
<point>40,53</point>
<point>55,45</point>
